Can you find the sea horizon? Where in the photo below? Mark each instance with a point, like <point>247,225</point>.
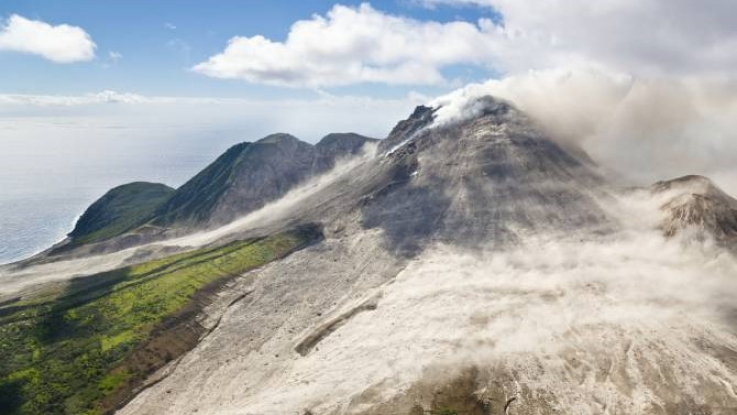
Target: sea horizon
<point>47,184</point>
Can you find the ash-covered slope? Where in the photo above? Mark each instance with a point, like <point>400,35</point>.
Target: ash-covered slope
<point>475,267</point>
<point>470,267</point>
<point>489,180</point>
<point>696,204</point>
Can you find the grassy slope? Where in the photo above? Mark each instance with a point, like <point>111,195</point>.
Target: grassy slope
<point>120,210</point>
<point>69,354</point>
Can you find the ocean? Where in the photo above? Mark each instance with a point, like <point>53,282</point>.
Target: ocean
<point>52,169</point>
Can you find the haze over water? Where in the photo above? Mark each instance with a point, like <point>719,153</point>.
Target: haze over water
<point>52,169</point>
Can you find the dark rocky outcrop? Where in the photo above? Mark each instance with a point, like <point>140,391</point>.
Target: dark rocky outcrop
<point>335,146</point>
<point>421,117</point>
<point>242,180</point>
<point>249,175</point>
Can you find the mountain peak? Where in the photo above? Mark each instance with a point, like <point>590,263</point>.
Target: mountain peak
<point>454,109</point>
<point>279,138</point>
<point>405,130</point>
<point>696,203</point>
<point>483,179</point>
<point>486,109</point>
<point>692,183</point>
<point>340,144</point>
<point>253,175</point>
<point>334,138</point>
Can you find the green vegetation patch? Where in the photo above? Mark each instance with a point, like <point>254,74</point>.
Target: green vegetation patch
<point>120,210</point>
<point>69,354</point>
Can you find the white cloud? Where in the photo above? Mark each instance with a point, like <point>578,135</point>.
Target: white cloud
<point>61,43</point>
<point>646,86</point>
<point>354,45</point>
<point>245,119</point>
<point>645,37</point>
<point>170,26</point>
<point>102,97</point>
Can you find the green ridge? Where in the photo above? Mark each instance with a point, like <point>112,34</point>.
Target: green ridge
<point>121,209</point>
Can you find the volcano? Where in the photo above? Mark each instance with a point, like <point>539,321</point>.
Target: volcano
<point>467,267</point>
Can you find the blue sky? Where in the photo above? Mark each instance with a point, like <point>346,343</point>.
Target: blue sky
<point>161,40</point>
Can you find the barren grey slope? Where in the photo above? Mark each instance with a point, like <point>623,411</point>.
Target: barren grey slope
<point>479,259</point>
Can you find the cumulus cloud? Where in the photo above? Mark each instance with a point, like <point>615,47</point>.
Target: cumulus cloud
<point>647,87</point>
<point>354,45</point>
<point>62,43</point>
<point>643,37</point>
